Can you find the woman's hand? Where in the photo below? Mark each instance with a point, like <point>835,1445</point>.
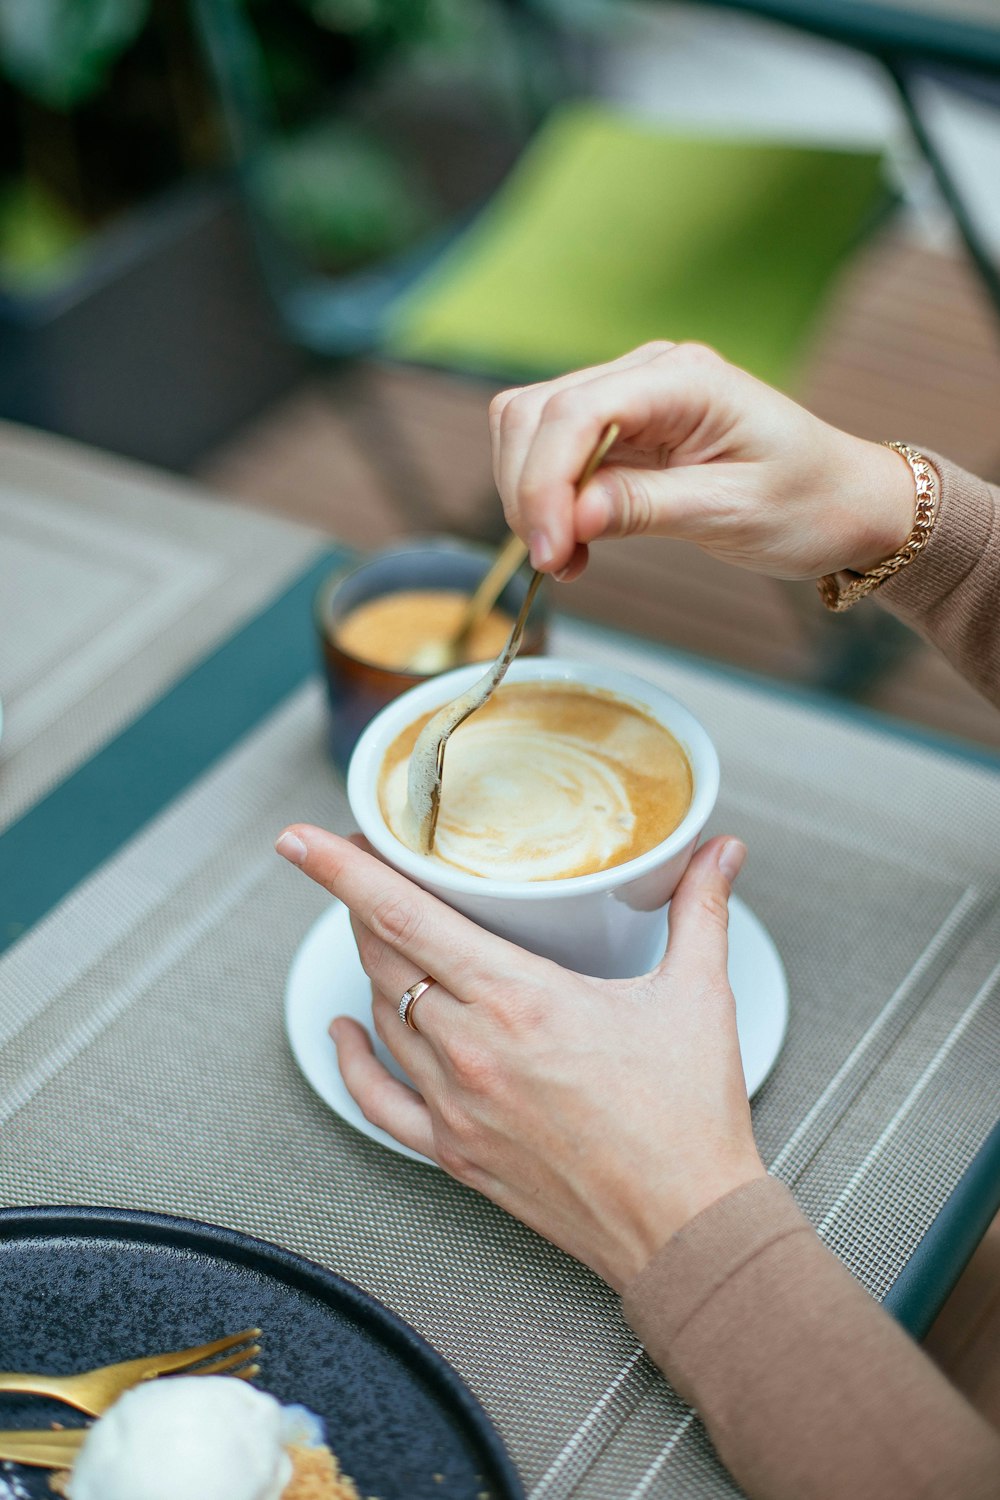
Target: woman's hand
<point>604,1113</point>
<point>707,454</point>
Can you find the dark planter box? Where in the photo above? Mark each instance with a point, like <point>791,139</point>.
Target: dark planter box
<point>160,344</point>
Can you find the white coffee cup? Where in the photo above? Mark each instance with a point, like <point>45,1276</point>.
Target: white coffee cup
<point>612,923</point>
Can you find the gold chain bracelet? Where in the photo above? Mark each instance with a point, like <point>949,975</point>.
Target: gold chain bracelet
<point>838,594</point>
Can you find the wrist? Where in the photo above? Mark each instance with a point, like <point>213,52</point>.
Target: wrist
<point>884,507</point>
<point>665,1216</point>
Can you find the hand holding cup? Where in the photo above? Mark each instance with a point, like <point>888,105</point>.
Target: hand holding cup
<point>603,1113</point>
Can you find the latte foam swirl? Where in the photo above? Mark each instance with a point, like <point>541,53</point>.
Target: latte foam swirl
<point>548,780</point>
<point>523,804</point>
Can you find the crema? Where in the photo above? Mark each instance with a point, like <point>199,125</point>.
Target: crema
<point>547,781</point>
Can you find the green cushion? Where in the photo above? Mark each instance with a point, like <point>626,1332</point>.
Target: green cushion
<point>611,231</point>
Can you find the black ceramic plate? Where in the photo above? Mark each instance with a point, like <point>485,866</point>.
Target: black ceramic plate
<point>84,1286</point>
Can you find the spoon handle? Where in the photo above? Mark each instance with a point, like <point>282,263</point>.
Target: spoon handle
<point>504,566</point>
<point>446,720</point>
<point>512,555</point>
<point>605,443</point>
<point>424,776</point>
<point>485,686</point>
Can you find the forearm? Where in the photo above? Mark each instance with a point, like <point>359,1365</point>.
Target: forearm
<point>950,593</point>
<point>808,1389</point>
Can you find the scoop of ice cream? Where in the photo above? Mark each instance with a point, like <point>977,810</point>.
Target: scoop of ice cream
<point>206,1437</point>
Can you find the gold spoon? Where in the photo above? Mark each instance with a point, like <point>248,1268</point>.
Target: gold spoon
<point>426,767</point>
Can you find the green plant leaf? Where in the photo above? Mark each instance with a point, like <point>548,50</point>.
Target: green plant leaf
<point>38,237</point>
<point>340,196</point>
<point>392,24</point>
<point>60,51</point>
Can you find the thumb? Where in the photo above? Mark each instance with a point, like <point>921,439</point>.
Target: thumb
<point>619,502</point>
<point>695,502</point>
<point>699,908</point>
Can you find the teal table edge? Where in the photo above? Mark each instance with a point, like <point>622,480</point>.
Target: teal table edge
<point>921,1288</point>
<point>107,799</point>
<point>87,817</point>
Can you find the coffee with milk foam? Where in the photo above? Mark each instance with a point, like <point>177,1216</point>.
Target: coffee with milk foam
<point>547,781</point>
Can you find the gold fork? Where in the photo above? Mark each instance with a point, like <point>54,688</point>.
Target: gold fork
<point>51,1448</point>
<point>93,1391</point>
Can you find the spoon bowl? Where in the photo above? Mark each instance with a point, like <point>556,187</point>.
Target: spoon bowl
<point>426,768</point>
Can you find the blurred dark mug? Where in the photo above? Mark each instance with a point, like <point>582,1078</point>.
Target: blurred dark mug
<point>358,689</point>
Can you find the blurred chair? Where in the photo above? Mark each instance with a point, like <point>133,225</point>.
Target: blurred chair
<point>342,316</point>
<point>954,42</point>
<point>693,260</point>
<point>613,230</point>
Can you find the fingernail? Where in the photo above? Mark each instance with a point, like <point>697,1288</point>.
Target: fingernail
<point>562,575</point>
<point>540,548</point>
<point>291,847</point>
<point>731,859</point>
<point>332,1029</point>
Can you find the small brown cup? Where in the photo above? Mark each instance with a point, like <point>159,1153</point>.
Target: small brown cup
<point>358,689</point>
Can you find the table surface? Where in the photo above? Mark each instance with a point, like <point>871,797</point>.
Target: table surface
<point>163,720</point>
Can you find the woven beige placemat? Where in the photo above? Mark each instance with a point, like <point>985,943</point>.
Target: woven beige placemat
<point>114,579</point>
<point>144,1062</point>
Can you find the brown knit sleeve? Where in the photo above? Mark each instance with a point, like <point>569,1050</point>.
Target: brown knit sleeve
<point>950,593</point>
<point>808,1389</point>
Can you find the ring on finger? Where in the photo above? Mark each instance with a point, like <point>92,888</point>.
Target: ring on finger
<point>409,998</point>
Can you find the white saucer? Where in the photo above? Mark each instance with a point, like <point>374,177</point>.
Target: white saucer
<point>326,980</point>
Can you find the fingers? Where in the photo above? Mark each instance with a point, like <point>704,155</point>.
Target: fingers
<point>576,564</point>
<point>661,396</point>
<point>389,971</point>
<point>382,1099</point>
<point>392,976</point>
<point>699,908</point>
<point>649,401</point>
<point>433,939</point>
<point>412,1049</point>
<point>511,430</point>
<point>515,417</point>
<point>697,502</point>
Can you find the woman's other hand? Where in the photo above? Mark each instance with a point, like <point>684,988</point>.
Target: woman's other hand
<point>603,1113</point>
<point>707,454</point>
